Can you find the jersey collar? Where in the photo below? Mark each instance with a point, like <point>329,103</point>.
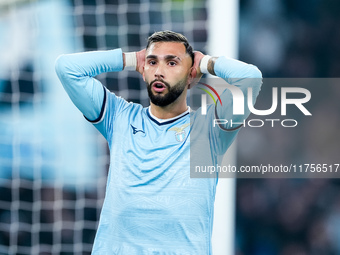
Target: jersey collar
<point>161,122</point>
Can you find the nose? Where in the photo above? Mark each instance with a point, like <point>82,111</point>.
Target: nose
<point>159,73</point>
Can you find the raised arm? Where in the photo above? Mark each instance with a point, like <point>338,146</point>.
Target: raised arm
<point>240,76</point>
<point>76,73</point>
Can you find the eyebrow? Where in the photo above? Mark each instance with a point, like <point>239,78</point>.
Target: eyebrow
<point>167,57</point>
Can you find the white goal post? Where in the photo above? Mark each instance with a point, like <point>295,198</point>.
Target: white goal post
<point>223,40</point>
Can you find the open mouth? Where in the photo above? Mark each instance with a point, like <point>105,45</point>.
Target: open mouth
<point>158,86</point>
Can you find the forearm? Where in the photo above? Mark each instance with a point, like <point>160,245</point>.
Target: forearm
<point>240,76</point>
<point>76,73</point>
<point>231,70</point>
<point>89,64</point>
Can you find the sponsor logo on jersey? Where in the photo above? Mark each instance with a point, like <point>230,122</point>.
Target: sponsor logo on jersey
<point>135,130</point>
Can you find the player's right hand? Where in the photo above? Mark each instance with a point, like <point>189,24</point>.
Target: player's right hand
<point>140,61</point>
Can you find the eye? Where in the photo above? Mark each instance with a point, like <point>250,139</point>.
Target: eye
<point>172,63</point>
<point>152,62</point>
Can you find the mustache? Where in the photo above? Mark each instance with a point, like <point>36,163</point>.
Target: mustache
<point>162,81</point>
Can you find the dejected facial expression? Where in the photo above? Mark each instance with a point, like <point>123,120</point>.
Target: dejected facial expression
<point>166,72</point>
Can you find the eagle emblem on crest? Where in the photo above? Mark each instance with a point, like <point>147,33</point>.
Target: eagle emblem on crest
<point>180,132</point>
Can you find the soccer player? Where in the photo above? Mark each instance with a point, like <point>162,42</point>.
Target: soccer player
<point>152,206</point>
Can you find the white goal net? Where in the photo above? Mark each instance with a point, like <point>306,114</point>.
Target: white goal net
<point>53,164</point>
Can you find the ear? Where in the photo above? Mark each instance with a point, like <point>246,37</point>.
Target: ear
<point>192,74</point>
<point>143,74</point>
<point>191,77</point>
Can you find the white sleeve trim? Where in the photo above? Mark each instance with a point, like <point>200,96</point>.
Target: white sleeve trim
<point>130,61</point>
<point>204,64</point>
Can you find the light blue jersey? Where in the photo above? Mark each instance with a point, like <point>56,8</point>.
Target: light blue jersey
<point>152,206</point>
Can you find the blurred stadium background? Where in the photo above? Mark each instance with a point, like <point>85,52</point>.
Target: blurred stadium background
<point>53,164</point>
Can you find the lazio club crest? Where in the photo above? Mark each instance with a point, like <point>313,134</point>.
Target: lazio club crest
<point>180,132</point>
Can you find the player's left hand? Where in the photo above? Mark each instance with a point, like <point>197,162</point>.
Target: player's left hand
<point>197,60</point>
